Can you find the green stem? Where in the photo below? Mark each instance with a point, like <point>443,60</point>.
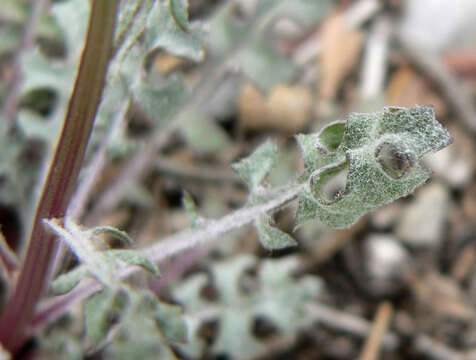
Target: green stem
<point>64,169</point>
<point>172,246</point>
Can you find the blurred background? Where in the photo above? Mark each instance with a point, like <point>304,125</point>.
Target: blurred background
<point>402,280</point>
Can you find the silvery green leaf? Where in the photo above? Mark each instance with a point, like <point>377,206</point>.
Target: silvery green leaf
<point>188,291</point>
<point>419,125</point>
<point>264,66</point>
<point>272,238</point>
<point>10,40</point>
<point>225,34</point>
<point>99,312</point>
<point>110,121</point>
<point>260,61</point>
<point>304,12</point>
<point>330,137</point>
<point>66,282</point>
<point>377,188</point>
<point>378,152</point>
<point>132,21</point>
<point>310,157</point>
<point>113,232</point>
<point>282,296</point>
<point>203,135</point>
<point>72,16</point>
<point>43,73</point>
<point>235,336</point>
<point>171,322</point>
<point>163,32</point>
<point>257,166</point>
<point>33,126</point>
<point>227,273</point>
<point>159,103</point>
<point>314,153</point>
<point>308,208</point>
<point>133,257</point>
<point>140,347</point>
<point>88,248</point>
<point>58,341</point>
<point>274,293</point>
<point>235,326</point>
<point>179,11</point>
<point>140,335</point>
<point>127,68</point>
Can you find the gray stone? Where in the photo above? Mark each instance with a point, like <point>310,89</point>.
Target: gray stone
<point>423,221</point>
<point>386,258</point>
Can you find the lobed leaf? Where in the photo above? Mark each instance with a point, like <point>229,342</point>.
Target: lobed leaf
<point>274,294</point>
<point>88,249</point>
<point>100,314</point>
<point>66,282</point>
<point>179,11</point>
<point>133,257</point>
<point>72,17</point>
<point>146,327</point>
<point>159,103</point>
<point>379,153</point>
<point>132,21</point>
<point>257,166</point>
<point>171,323</point>
<point>308,144</point>
<point>263,65</point>
<point>201,134</point>
<point>282,296</point>
<point>112,231</point>
<point>261,61</point>
<point>165,31</point>
<point>272,238</point>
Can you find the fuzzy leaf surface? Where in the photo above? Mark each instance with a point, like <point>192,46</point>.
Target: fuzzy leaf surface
<point>163,31</point>
<point>257,166</point>
<point>379,152</point>
<point>260,60</point>
<point>99,311</point>
<point>89,249</point>
<point>272,238</point>
<point>274,294</point>
<point>179,11</point>
<point>146,328</point>
<point>133,257</point>
<point>66,282</point>
<point>202,134</point>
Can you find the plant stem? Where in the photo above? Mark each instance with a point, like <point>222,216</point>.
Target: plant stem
<point>191,238</point>
<point>63,173</point>
<point>170,246</point>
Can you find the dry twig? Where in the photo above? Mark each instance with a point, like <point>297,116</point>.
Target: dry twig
<point>377,333</point>
<point>348,323</point>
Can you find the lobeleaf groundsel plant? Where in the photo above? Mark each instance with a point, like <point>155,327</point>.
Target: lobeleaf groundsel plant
<point>350,168</point>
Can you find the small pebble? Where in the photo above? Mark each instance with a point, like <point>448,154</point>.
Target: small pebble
<point>423,221</point>
<point>386,257</point>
